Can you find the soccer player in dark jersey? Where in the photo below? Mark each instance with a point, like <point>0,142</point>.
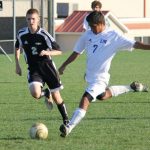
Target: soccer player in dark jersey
<point>38,47</point>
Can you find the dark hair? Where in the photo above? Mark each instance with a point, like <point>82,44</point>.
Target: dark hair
<point>95,17</point>
<point>96,3</point>
<point>32,11</point>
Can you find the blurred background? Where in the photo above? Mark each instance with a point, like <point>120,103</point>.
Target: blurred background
<point>131,18</point>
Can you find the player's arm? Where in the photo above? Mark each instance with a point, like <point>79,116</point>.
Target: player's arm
<point>140,45</point>
<point>55,50</point>
<point>70,59</point>
<point>77,50</point>
<point>17,57</point>
<point>50,52</point>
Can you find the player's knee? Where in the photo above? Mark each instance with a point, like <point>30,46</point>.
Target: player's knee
<point>85,101</point>
<point>88,96</point>
<point>105,95</point>
<point>36,95</point>
<point>101,96</point>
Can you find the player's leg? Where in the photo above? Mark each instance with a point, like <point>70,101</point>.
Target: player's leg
<point>48,98</point>
<point>52,79</point>
<point>78,115</point>
<point>36,88</point>
<point>37,91</point>
<point>60,105</point>
<point>90,95</point>
<point>121,89</point>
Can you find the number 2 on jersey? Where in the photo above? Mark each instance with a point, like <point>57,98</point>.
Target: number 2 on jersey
<point>34,51</point>
<point>95,47</point>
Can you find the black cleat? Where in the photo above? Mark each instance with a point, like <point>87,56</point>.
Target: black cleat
<point>48,99</point>
<point>65,130</point>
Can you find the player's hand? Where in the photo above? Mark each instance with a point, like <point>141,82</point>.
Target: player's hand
<point>61,70</point>
<point>44,53</point>
<point>18,70</point>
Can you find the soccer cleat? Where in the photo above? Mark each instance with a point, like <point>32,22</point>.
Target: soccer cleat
<point>65,130</point>
<point>47,92</point>
<point>49,103</point>
<point>138,87</point>
<point>66,122</point>
<point>48,99</point>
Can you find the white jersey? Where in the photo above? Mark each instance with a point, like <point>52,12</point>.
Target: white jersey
<point>101,49</point>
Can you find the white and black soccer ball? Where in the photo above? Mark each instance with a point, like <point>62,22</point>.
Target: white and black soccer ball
<point>38,131</point>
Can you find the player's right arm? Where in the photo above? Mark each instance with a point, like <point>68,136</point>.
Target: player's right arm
<point>17,57</point>
<point>70,59</point>
<point>78,49</point>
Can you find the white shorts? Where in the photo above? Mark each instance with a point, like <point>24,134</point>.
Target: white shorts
<point>95,89</point>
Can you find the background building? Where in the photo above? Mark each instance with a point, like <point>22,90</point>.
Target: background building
<point>129,12</point>
<point>122,9</point>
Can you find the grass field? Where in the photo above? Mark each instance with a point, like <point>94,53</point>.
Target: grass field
<point>122,123</point>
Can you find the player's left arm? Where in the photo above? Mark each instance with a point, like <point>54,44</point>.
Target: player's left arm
<point>17,57</point>
<point>50,52</point>
<point>53,51</point>
<point>140,45</point>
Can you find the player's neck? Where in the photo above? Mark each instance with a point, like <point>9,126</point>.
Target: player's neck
<point>33,29</point>
<point>100,30</point>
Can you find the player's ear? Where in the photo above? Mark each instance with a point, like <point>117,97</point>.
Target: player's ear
<point>38,20</point>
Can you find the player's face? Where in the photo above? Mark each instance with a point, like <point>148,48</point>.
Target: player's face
<point>32,21</point>
<point>97,8</point>
<point>97,28</point>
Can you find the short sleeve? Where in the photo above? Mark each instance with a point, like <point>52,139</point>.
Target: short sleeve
<point>17,43</point>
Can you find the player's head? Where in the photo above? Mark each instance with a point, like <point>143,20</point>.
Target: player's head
<point>32,18</point>
<point>96,5</point>
<point>96,21</point>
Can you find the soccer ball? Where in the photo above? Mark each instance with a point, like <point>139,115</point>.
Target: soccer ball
<point>38,131</point>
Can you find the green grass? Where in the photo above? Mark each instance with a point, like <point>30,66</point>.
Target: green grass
<point>122,123</point>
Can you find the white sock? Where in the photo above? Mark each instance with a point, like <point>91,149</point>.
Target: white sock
<point>42,93</point>
<point>78,115</point>
<point>120,89</point>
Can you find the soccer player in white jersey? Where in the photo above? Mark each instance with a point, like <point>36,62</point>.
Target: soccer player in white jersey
<point>38,47</point>
<point>101,45</point>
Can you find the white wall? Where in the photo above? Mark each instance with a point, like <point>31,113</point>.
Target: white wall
<point>21,7</point>
<point>67,41</point>
<point>124,8</point>
<point>120,8</point>
<point>148,8</point>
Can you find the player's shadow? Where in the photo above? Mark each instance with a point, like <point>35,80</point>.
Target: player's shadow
<point>118,118</point>
<point>42,118</point>
<point>8,82</point>
<point>12,138</point>
<point>131,102</point>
